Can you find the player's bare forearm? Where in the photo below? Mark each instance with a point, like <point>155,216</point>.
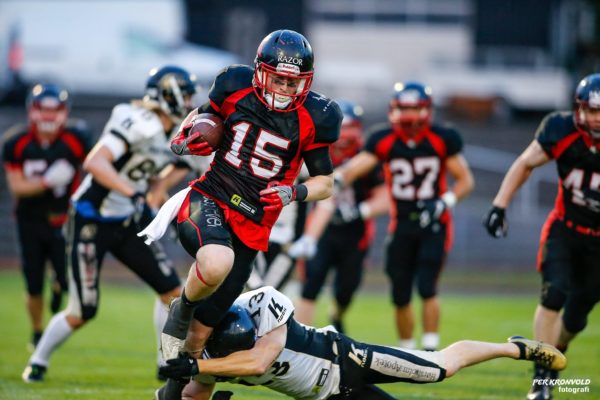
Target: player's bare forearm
<point>20,186</point>
<point>519,172</point>
<point>99,164</point>
<point>167,179</point>
<point>319,187</point>
<point>378,202</point>
<point>359,165</point>
<point>463,178</point>
<point>255,361</point>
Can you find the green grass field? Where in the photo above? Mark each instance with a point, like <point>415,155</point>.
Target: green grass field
<point>114,357</point>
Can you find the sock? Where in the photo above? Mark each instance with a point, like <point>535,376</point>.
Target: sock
<point>57,331</point>
<point>430,341</point>
<point>161,312</point>
<point>410,344</point>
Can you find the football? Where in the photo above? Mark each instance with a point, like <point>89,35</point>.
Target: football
<point>206,128</point>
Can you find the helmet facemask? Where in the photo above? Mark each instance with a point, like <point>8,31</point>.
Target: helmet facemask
<point>48,110</point>
<point>268,82</point>
<point>170,89</point>
<point>408,117</point>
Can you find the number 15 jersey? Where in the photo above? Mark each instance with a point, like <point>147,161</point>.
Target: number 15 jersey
<point>260,147</point>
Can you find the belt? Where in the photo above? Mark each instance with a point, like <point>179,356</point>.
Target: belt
<point>584,230</point>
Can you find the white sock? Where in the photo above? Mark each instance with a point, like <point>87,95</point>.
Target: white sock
<point>161,312</point>
<point>57,331</point>
<point>430,341</point>
<point>410,344</point>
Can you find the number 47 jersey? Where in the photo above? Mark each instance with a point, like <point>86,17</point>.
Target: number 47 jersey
<point>261,146</point>
<point>306,368</point>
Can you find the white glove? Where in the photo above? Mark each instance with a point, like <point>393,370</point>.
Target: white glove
<point>60,173</point>
<point>304,248</point>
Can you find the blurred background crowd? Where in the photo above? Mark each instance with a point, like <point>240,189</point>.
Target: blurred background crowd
<point>495,68</point>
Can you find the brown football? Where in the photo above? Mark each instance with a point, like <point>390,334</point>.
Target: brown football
<point>207,128</point>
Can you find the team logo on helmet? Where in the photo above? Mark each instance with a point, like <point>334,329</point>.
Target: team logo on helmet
<point>594,100</point>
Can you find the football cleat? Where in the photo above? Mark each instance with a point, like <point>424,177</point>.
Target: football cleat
<point>34,373</point>
<point>542,353</point>
<point>539,392</point>
<point>170,390</point>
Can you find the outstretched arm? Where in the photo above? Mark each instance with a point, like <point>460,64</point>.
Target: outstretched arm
<point>533,157</point>
<point>255,361</point>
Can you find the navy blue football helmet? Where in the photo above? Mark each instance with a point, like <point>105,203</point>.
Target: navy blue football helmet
<point>283,54</point>
<point>411,95</point>
<point>48,107</point>
<point>171,87</point>
<point>587,97</point>
<point>235,332</point>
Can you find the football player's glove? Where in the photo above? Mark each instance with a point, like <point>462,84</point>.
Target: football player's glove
<point>305,247</point>
<point>182,367</point>
<point>276,196</point>
<point>222,395</point>
<point>430,211</point>
<point>182,144</point>
<point>495,222</point>
<point>60,173</point>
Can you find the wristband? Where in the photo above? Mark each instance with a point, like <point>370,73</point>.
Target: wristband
<point>449,199</point>
<point>301,192</point>
<point>364,209</point>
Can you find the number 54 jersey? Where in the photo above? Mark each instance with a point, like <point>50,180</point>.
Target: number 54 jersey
<point>414,167</point>
<point>306,367</point>
<point>260,147</point>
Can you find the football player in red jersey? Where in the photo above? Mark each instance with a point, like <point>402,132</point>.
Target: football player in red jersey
<point>42,162</point>
<point>416,156</point>
<point>273,123</point>
<point>570,239</point>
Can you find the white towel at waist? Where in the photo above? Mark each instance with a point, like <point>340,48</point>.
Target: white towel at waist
<point>159,225</point>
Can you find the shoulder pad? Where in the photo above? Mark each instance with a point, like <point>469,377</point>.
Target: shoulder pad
<point>451,137</point>
<point>553,128</point>
<point>14,132</point>
<point>228,81</point>
<point>133,124</point>
<point>374,135</point>
<point>326,116</point>
<point>275,308</point>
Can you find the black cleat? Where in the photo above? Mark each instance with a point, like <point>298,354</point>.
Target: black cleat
<point>34,373</point>
<point>539,392</point>
<point>541,353</point>
<point>170,390</point>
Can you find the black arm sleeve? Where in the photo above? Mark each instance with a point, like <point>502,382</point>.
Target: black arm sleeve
<point>207,108</point>
<point>318,161</point>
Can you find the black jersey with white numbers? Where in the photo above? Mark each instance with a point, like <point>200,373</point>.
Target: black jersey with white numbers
<point>578,166</point>
<point>261,146</point>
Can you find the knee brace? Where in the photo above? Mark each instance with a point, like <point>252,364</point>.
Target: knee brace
<point>553,297</point>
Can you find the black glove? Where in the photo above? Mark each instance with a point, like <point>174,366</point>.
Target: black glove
<point>222,395</point>
<point>142,214</point>
<point>495,222</point>
<point>430,211</point>
<point>182,367</point>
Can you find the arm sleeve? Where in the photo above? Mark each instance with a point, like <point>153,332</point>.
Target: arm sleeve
<point>318,161</point>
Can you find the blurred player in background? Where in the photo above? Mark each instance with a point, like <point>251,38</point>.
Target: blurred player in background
<point>569,253</point>
<point>416,156</point>
<point>42,162</point>
<point>109,208</point>
<point>340,229</point>
<point>260,343</point>
<point>273,122</point>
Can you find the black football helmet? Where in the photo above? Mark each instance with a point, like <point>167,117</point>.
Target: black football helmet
<point>235,332</point>
<point>48,107</point>
<point>284,54</point>
<point>410,95</point>
<point>171,87</point>
<point>351,133</point>
<point>587,97</point>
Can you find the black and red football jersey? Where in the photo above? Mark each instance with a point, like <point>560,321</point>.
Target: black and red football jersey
<point>578,166</point>
<point>261,146</point>
<point>23,151</point>
<point>414,167</point>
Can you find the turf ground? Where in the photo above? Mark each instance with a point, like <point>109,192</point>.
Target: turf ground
<point>114,357</point>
